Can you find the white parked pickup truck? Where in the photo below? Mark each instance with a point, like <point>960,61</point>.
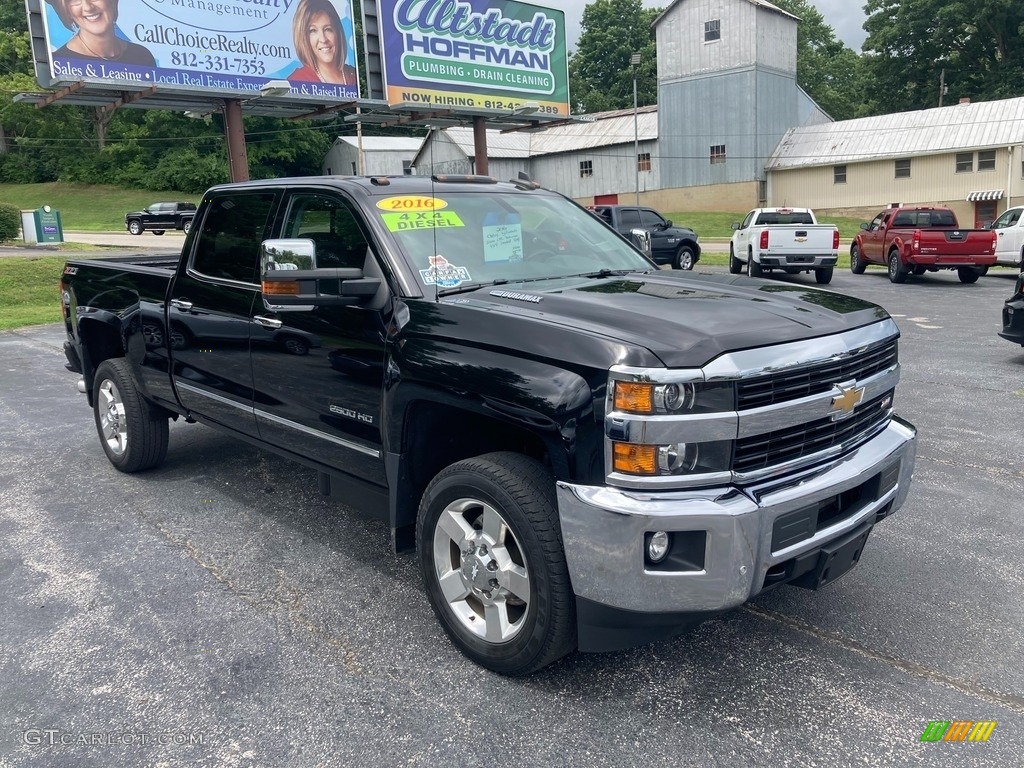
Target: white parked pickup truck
<point>1010,243</point>
<point>788,239</point>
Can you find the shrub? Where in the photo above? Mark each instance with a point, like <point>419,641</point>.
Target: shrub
<point>10,222</point>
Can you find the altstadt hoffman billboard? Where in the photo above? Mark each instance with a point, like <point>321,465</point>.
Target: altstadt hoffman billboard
<point>226,46</point>
<point>471,55</point>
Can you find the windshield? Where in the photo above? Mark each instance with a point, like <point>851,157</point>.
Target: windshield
<point>492,235</point>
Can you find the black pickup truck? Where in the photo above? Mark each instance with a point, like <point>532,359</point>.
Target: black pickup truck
<point>669,244</point>
<point>159,217</point>
<point>476,363</point>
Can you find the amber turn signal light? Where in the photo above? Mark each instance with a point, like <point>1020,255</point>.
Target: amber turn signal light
<point>281,288</point>
<point>634,398</point>
<point>635,459</point>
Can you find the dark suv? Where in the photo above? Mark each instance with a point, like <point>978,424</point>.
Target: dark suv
<point>159,217</point>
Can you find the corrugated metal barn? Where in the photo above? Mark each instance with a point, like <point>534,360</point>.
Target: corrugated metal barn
<point>967,156</point>
<point>382,155</point>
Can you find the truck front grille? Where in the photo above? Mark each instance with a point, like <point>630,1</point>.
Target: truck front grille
<point>784,445</point>
<point>814,379</point>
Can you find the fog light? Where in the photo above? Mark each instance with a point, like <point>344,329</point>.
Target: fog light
<point>657,546</point>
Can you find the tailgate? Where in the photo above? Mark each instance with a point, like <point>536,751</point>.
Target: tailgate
<point>800,238</point>
<point>957,242</point>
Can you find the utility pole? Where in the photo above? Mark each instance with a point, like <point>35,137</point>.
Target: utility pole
<point>635,61</point>
<point>942,85</point>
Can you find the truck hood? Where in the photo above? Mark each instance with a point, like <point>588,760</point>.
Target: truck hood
<point>685,320</point>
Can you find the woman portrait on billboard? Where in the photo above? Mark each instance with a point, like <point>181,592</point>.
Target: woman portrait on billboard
<point>321,44</point>
<point>95,35</point>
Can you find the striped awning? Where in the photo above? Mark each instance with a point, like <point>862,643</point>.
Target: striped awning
<point>986,194</point>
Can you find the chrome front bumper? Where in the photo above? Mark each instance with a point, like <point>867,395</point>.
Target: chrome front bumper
<point>603,529</point>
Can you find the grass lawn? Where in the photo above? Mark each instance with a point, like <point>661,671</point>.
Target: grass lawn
<point>30,287</point>
<point>87,207</point>
<point>719,225</point>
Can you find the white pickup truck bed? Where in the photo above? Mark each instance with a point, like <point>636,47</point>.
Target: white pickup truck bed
<point>786,239</point>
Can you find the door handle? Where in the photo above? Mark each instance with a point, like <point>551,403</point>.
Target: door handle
<point>182,304</point>
<point>267,322</point>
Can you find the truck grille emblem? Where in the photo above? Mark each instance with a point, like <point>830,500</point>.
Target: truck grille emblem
<point>849,397</point>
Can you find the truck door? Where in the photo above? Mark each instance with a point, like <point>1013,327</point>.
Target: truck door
<point>874,238</point>
<point>1009,236</point>
<point>654,223</point>
<point>208,312</point>
<point>319,371</point>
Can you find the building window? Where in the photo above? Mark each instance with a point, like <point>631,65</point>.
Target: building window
<point>407,167</point>
<point>903,169</point>
<point>353,168</point>
<point>717,154</point>
<point>586,169</point>
<point>965,162</point>
<point>838,174</point>
<point>643,161</point>
<point>712,30</point>
<point>987,160</point>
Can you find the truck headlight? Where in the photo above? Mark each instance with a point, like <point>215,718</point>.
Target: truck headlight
<point>672,398</point>
<point>671,459</point>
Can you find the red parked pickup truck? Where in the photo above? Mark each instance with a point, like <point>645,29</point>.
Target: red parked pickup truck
<point>918,240</point>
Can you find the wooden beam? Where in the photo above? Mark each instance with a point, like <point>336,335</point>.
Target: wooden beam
<point>127,97</point>
<point>58,95</point>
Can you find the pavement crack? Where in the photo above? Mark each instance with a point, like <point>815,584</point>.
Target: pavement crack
<point>968,687</point>
<point>981,468</point>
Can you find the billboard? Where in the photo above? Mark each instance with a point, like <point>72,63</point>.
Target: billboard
<point>226,46</point>
<point>474,55</point>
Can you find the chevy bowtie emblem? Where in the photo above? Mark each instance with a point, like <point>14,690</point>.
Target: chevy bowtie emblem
<point>848,399</point>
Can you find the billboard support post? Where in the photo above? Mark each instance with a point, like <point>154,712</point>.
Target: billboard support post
<point>480,146</point>
<point>234,130</point>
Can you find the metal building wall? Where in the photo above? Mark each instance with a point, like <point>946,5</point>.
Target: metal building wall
<point>614,171</point>
<point>339,160</point>
<point>440,155</point>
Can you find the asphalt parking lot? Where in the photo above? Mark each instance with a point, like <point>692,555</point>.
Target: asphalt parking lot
<point>219,612</point>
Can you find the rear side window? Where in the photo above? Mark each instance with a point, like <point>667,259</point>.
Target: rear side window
<point>228,246</point>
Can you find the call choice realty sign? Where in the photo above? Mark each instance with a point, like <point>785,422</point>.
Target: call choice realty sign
<point>474,55</point>
<point>227,46</point>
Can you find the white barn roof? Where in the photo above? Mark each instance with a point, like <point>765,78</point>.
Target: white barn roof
<point>604,130</point>
<point>760,3</point>
<point>940,130</point>
<point>384,143</point>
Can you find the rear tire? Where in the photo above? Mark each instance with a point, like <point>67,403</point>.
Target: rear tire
<point>897,272</point>
<point>158,231</point>
<point>492,561</point>
<point>133,433</point>
<point>753,268</point>
<point>857,264</point>
<point>187,226</point>
<point>735,265</point>
<point>968,274</point>
<point>823,275</point>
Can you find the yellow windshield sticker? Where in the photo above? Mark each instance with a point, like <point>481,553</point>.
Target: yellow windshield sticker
<point>405,222</point>
<point>412,203</point>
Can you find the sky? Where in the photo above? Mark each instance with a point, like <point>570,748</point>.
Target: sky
<point>846,17</point>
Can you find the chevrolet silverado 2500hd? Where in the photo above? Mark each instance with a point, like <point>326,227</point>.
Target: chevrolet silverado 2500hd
<point>475,362</point>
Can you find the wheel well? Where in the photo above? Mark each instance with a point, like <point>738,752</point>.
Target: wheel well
<point>439,435</point>
<point>99,342</point>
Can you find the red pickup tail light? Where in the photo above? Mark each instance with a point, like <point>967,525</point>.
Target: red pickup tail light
<point>835,240</point>
<point>995,240</point>
<point>915,242</point>
<point>764,240</point>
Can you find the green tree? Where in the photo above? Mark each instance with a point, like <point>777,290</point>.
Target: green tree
<point>600,75</point>
<point>977,47</point>
<point>826,68</point>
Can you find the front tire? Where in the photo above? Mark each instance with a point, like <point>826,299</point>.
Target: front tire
<point>135,227</point>
<point>968,274</point>
<point>158,231</point>
<point>823,275</point>
<point>897,272</point>
<point>133,433</point>
<point>684,258</point>
<point>493,565</point>
<point>857,264</point>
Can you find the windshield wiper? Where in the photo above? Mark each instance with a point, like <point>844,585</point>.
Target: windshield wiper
<point>467,287</point>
